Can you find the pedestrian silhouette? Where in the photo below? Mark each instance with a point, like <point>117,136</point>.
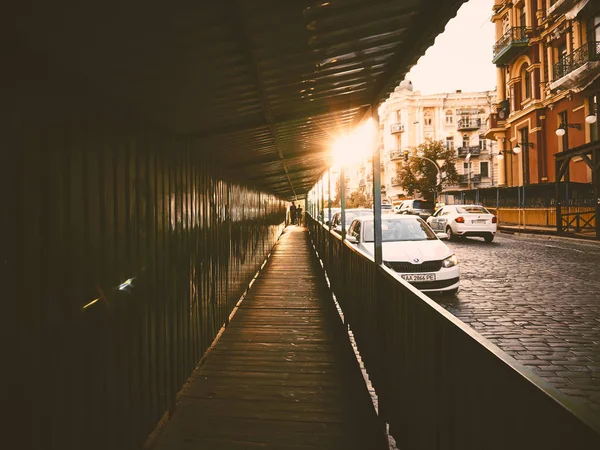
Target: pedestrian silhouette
<point>293,214</point>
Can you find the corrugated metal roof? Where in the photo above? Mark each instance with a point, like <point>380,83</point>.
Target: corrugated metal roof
<point>261,85</point>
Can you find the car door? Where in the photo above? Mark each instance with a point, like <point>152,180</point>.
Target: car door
<point>443,218</point>
<point>434,220</point>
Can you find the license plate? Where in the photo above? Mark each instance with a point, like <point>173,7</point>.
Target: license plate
<point>478,221</point>
<point>419,277</point>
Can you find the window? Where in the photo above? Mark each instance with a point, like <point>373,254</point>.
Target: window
<point>522,17</point>
<point>427,119</point>
<point>524,136</point>
<point>450,143</point>
<point>525,82</point>
<point>465,142</point>
<point>482,142</point>
<point>465,168</point>
<point>562,118</point>
<point>484,169</point>
<point>593,107</point>
<point>449,118</point>
<point>594,29</point>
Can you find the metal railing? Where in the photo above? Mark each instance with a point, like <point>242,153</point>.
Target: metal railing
<point>396,154</point>
<point>464,151</point>
<point>590,51</point>
<point>396,181</point>
<point>516,35</point>
<point>468,124</point>
<point>396,128</point>
<point>440,385</point>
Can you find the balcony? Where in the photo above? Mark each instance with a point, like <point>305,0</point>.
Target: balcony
<point>558,7</point>
<point>577,68</point>
<point>510,45</point>
<point>464,179</point>
<point>464,151</point>
<point>396,155</point>
<point>396,181</point>
<point>468,124</point>
<point>396,128</point>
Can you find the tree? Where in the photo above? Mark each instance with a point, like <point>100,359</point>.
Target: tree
<point>420,175</point>
<point>357,199</point>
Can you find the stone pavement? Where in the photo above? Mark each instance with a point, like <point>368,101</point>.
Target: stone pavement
<point>537,298</point>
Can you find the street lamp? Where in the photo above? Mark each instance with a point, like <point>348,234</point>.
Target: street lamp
<point>561,130</point>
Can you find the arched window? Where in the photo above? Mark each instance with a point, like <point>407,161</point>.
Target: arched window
<point>449,118</point>
<point>427,118</point>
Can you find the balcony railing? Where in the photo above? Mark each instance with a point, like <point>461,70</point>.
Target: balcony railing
<point>396,128</point>
<point>464,179</point>
<point>468,124</point>
<point>396,181</point>
<point>513,41</point>
<point>584,54</point>
<point>396,154</point>
<point>464,151</point>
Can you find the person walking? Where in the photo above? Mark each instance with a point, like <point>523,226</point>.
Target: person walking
<point>299,214</point>
<point>293,214</point>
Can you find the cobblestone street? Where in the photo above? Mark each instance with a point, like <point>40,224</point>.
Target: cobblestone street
<point>537,298</point>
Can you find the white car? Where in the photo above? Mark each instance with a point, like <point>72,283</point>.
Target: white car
<point>412,249</point>
<point>351,214</point>
<point>464,220</point>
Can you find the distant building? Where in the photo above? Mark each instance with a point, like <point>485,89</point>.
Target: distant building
<point>548,78</point>
<point>458,119</point>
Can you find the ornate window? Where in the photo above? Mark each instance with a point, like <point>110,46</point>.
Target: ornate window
<point>449,117</point>
<point>427,119</point>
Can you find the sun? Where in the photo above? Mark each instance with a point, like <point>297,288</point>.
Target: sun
<point>353,148</point>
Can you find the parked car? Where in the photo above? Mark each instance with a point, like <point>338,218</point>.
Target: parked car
<point>326,214</point>
<point>351,214</point>
<point>411,248</point>
<point>387,209</point>
<point>418,207</point>
<point>464,220</point>
<point>397,208</point>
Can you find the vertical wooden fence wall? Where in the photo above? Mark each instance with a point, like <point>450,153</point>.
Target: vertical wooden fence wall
<point>127,252</point>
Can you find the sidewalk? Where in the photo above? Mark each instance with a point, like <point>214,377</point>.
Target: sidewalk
<point>549,231</point>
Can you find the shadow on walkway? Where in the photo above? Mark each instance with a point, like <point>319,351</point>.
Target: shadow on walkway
<point>283,374</point>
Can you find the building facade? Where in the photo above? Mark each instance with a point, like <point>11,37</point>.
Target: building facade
<point>459,119</point>
<point>547,55</point>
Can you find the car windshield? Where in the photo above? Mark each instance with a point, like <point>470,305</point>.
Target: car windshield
<point>422,204</point>
<point>351,215</point>
<point>400,230</point>
<point>472,210</point>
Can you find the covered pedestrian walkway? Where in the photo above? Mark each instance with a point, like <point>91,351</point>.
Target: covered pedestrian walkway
<point>283,375</point>
<point>151,153</point>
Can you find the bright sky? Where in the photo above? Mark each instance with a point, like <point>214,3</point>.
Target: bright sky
<point>461,57</point>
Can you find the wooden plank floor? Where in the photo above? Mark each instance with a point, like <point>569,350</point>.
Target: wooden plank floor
<point>283,375</point>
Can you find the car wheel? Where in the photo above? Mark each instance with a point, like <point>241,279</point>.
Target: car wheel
<point>451,235</point>
<point>488,237</point>
<point>450,292</point>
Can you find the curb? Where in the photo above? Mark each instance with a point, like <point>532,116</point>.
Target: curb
<point>550,235</point>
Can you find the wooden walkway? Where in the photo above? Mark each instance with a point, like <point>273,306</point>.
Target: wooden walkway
<point>283,375</point>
